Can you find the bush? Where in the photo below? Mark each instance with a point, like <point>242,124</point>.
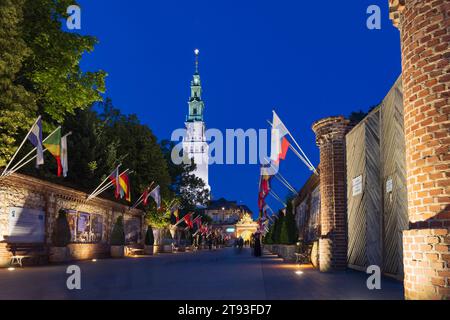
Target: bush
<point>118,234</point>
<point>149,238</point>
<point>61,234</point>
<point>288,231</point>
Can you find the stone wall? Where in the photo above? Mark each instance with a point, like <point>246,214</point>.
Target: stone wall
<point>26,192</point>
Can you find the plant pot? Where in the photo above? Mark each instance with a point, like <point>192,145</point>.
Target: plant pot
<point>117,251</point>
<point>58,254</point>
<point>167,248</point>
<point>157,249</point>
<point>148,250</point>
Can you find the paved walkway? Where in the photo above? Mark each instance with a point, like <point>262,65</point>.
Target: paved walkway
<point>221,274</point>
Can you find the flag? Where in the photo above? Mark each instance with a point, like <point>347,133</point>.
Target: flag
<point>176,213</point>
<point>279,143</point>
<point>284,148</point>
<point>198,221</point>
<point>261,201</point>
<point>114,177</point>
<point>125,190</point>
<point>64,156</point>
<point>156,196</point>
<point>188,220</point>
<point>53,145</point>
<point>35,138</point>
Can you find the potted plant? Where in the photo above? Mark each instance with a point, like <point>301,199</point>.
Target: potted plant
<point>118,239</point>
<point>149,241</point>
<point>182,244</point>
<point>60,239</point>
<point>167,242</point>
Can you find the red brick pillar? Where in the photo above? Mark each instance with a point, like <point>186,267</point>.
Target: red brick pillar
<point>425,38</point>
<point>330,137</point>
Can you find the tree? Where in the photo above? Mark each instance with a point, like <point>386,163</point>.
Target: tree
<point>277,228</point>
<point>149,238</point>
<point>190,189</point>
<point>118,234</point>
<point>17,105</point>
<point>61,234</point>
<point>288,230</point>
<point>268,238</point>
<point>40,69</point>
<point>137,148</point>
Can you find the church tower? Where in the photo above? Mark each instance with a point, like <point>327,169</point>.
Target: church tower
<point>194,143</point>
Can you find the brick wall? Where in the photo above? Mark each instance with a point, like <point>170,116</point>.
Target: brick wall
<point>425,37</point>
<point>31,193</point>
<point>330,137</point>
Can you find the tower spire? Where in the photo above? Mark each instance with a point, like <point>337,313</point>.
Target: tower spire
<point>196,52</point>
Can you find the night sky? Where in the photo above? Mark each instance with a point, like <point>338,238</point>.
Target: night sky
<point>305,59</point>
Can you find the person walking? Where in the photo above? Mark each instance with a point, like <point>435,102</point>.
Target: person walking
<point>257,245</point>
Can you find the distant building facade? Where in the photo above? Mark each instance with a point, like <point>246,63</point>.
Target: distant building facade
<point>228,217</point>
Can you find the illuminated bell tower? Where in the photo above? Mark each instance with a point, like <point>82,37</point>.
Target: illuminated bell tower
<point>194,143</point>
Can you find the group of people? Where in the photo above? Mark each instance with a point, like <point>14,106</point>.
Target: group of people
<point>255,244</point>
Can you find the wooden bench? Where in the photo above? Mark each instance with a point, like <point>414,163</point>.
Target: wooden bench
<point>304,256</point>
<point>21,251</point>
<point>133,251</point>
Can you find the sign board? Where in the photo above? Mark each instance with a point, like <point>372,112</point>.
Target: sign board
<point>389,185</point>
<point>357,185</point>
<point>26,225</point>
<point>230,230</point>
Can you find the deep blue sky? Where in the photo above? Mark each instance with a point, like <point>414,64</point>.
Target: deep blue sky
<point>306,59</point>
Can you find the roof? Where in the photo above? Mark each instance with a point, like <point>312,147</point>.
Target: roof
<point>227,205</point>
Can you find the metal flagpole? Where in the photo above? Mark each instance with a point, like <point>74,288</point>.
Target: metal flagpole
<point>20,146</point>
<point>273,194</point>
<point>13,170</point>
<point>140,200</point>
<point>105,187</point>
<point>29,153</point>
<point>303,158</point>
<point>109,184</point>
<point>101,184</point>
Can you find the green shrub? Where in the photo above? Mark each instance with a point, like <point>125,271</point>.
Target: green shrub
<point>149,238</point>
<point>61,234</point>
<point>288,230</point>
<point>118,234</point>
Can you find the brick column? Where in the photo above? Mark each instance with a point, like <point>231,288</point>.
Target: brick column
<point>425,38</point>
<point>330,137</point>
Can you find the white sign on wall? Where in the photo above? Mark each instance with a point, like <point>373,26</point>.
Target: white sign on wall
<point>389,185</point>
<point>357,185</point>
<point>26,225</point>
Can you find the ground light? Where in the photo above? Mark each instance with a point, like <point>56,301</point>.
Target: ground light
<point>298,272</point>
<point>94,260</point>
<point>11,269</point>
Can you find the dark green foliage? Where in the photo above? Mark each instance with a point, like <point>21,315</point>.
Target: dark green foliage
<point>118,234</point>
<point>268,238</point>
<point>149,238</point>
<point>184,184</point>
<point>40,69</point>
<point>288,231</point>
<point>61,234</point>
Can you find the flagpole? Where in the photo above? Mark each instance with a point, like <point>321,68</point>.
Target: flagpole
<point>298,146</point>
<point>101,184</point>
<point>109,184</point>
<point>273,194</point>
<point>20,146</point>
<point>13,169</point>
<point>296,152</point>
<point>303,159</point>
